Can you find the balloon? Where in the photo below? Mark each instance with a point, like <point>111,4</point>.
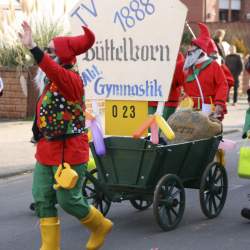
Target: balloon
<point>89,116</point>
<point>139,132</point>
<point>87,123</point>
<point>154,133</point>
<point>227,144</point>
<point>165,128</point>
<point>97,138</point>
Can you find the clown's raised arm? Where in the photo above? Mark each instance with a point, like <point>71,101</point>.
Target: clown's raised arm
<point>64,51</point>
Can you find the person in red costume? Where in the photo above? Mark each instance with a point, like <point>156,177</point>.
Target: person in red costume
<point>202,78</point>
<point>61,138</point>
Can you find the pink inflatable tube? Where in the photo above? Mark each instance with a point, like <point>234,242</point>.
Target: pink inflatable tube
<point>227,144</point>
<point>154,133</point>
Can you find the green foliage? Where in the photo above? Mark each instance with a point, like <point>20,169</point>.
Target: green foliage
<point>186,38</point>
<point>240,46</point>
<point>44,27</point>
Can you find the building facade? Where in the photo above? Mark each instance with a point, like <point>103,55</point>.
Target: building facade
<point>218,10</point>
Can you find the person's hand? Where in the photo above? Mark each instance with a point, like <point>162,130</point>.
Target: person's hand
<point>26,36</point>
<point>218,113</point>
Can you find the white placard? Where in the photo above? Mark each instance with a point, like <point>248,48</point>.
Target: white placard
<point>136,46</point>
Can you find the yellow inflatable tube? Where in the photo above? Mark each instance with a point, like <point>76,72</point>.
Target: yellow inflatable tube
<point>165,128</point>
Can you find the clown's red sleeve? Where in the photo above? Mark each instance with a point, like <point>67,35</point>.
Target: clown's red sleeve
<point>68,82</point>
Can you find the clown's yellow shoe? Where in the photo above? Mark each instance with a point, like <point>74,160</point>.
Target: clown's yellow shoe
<point>99,227</point>
<point>50,233</point>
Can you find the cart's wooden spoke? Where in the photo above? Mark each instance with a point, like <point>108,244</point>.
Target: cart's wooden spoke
<point>214,203</point>
<point>174,212</point>
<point>218,177</point>
<point>90,189</point>
<point>91,196</point>
<point>215,172</point>
<point>210,204</point>
<point>176,193</point>
<point>169,217</point>
<point>218,197</point>
<point>171,189</point>
<point>207,197</point>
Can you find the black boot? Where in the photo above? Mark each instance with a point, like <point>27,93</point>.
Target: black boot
<point>245,212</point>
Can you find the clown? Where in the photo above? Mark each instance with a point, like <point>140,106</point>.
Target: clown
<point>201,78</point>
<point>61,136</point>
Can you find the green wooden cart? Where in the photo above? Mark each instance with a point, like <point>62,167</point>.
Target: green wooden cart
<point>146,174</point>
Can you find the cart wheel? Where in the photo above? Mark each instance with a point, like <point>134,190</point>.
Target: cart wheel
<point>169,202</point>
<point>213,189</point>
<point>94,196</point>
<point>141,204</point>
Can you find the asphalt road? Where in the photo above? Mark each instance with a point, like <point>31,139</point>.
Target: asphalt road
<point>19,228</point>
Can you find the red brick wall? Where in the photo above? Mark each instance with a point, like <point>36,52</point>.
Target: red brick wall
<point>14,104</point>
<point>245,7</point>
<point>195,10</point>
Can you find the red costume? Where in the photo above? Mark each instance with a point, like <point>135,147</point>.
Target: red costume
<point>62,140</point>
<point>209,73</point>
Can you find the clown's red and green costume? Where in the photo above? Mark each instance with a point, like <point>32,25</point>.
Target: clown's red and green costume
<point>204,80</point>
<point>60,130</point>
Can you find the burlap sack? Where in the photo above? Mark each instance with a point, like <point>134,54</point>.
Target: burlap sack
<point>191,125</point>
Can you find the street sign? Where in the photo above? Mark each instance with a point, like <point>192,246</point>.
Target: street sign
<point>136,46</point>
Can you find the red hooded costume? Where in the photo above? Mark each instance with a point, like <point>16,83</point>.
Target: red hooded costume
<point>211,77</point>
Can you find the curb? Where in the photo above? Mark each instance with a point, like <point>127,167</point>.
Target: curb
<point>27,169</point>
<point>231,131</point>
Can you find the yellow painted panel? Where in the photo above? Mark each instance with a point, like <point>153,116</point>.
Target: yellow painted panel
<point>124,117</point>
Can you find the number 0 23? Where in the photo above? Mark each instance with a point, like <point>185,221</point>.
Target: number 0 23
<point>127,112</point>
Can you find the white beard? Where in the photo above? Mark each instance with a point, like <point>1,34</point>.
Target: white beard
<point>40,80</point>
<point>202,59</point>
<point>192,58</point>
